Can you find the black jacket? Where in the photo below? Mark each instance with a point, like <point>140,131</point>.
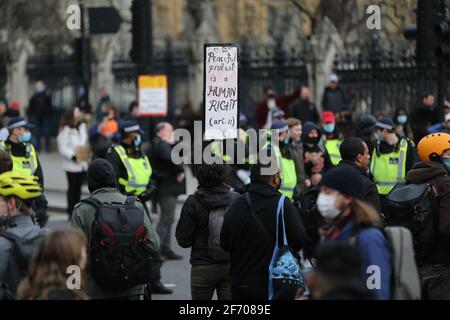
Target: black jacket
<point>165,170</point>
<point>192,228</point>
<point>370,189</point>
<point>334,100</point>
<point>305,111</point>
<point>250,247</point>
<point>40,105</point>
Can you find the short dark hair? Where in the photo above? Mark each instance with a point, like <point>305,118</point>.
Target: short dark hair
<point>350,148</point>
<point>426,94</point>
<point>339,263</point>
<point>211,175</point>
<point>256,171</point>
<point>132,105</point>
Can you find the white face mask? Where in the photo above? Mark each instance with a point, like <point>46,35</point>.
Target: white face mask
<point>271,103</point>
<point>325,204</point>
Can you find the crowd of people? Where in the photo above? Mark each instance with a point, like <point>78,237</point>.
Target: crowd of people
<point>322,225</point>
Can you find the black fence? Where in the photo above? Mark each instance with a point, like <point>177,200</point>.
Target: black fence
<point>382,81</point>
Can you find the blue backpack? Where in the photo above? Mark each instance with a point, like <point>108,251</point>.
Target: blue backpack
<point>285,273</point>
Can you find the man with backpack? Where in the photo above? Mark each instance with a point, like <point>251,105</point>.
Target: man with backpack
<point>249,233</point>
<point>120,236</point>
<point>199,227</point>
<point>431,221</point>
<point>19,236</point>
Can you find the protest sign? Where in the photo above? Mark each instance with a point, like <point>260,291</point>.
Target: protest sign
<point>152,95</point>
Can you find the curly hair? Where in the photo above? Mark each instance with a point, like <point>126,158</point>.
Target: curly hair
<point>211,175</point>
<point>48,270</point>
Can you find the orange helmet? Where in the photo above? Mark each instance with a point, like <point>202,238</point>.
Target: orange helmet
<point>433,144</point>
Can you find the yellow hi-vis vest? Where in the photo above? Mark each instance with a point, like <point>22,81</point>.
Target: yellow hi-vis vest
<point>217,150</point>
<point>390,168</point>
<point>26,165</point>
<point>288,174</point>
<point>332,147</point>
<point>139,172</point>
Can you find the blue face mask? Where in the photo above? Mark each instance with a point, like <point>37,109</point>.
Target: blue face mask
<point>378,137</point>
<point>137,141</point>
<point>329,128</point>
<point>25,137</point>
<point>446,163</point>
<point>402,119</point>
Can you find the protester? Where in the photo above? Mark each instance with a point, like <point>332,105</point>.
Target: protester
<point>208,273</point>
<point>305,110</point>
<point>422,115</point>
<point>104,99</point>
<point>337,274</point>
<point>103,134</point>
<point>48,277</point>
<point>355,155</point>
<point>434,168</point>
<point>341,203</point>
<point>102,186</point>
<point>40,111</point>
<point>402,124</point>
<point>265,107</point>
<point>334,97</point>
<point>296,150</point>
<point>73,147</point>
<point>249,264</point>
<point>170,181</point>
<point>16,192</point>
<point>392,158</point>
<point>316,160</point>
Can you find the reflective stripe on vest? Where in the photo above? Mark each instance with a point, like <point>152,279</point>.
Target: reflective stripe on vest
<point>139,172</point>
<point>389,169</point>
<point>332,147</point>
<point>216,150</point>
<point>288,174</point>
<point>26,165</point>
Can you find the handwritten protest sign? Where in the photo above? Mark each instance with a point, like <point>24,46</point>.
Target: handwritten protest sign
<point>221,91</point>
<point>152,95</point>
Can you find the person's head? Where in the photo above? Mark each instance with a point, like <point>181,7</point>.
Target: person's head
<point>384,129</point>
<point>311,134</point>
<point>341,194</point>
<point>270,93</point>
<point>100,175</point>
<point>3,108</point>
<point>164,131</point>
<point>447,121</point>
<point>355,150</point>
<point>337,265</point>
<point>400,116</point>
<point>281,127</point>
<point>328,122</point>
<point>59,250</point>
<point>435,147</point>
<point>266,173</point>
<point>133,109</point>
<point>109,111</point>
<point>211,175</point>
<point>428,99</point>
<point>334,79</point>
<point>40,86</point>
<point>19,130</point>
<point>102,93</point>
<point>130,133</point>
<point>16,192</point>
<point>305,93</point>
<point>295,129</point>
<point>15,105</point>
<point>6,163</point>
<point>278,115</point>
<point>72,117</point>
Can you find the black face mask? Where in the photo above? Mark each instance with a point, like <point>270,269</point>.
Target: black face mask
<point>311,141</point>
<point>105,114</point>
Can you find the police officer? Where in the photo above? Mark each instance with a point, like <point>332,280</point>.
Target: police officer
<point>392,157</point>
<point>332,140</point>
<point>134,172</point>
<point>25,160</point>
<point>284,158</point>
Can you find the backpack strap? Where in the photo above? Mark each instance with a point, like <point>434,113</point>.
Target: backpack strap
<point>93,202</point>
<point>255,216</point>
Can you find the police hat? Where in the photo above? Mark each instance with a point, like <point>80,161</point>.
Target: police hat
<point>19,122</point>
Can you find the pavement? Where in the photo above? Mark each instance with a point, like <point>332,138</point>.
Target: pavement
<point>175,274</point>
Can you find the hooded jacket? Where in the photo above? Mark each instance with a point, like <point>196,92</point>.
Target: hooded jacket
<point>315,149</point>
<point>193,226</point>
<point>429,171</point>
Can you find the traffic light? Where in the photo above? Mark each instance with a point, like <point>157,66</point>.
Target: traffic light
<point>141,29</point>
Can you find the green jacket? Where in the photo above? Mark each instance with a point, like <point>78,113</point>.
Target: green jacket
<point>83,217</point>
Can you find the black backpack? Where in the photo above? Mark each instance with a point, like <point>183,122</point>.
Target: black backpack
<point>413,206</point>
<point>22,253</point>
<point>118,256</point>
